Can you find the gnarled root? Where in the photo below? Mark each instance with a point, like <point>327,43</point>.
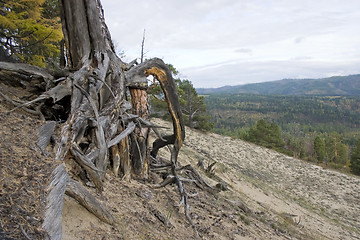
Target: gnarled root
<point>172,177</point>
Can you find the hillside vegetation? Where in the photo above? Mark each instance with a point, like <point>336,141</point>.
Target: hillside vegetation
<point>332,86</point>
<point>335,119</point>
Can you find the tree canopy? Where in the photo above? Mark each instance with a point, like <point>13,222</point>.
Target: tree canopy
<point>30,31</point>
<point>319,149</point>
<point>265,134</point>
<point>192,105</point>
<point>355,159</point>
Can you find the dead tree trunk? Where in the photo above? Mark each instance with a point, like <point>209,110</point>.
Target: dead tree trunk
<point>89,100</point>
<point>140,138</point>
<point>98,85</point>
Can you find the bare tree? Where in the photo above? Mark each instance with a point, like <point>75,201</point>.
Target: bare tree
<point>142,47</point>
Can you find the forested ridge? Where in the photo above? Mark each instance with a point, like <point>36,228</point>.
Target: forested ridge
<point>333,119</point>
<point>331,86</point>
<point>337,113</point>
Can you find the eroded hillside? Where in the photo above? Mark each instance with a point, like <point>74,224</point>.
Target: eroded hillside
<point>269,196</point>
<point>287,198</point>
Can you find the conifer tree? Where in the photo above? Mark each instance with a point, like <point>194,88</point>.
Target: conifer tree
<point>355,159</point>
<point>192,105</point>
<point>265,134</point>
<point>319,149</point>
<point>30,31</point>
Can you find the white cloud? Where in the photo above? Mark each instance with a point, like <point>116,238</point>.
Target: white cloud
<point>226,42</point>
<point>234,73</point>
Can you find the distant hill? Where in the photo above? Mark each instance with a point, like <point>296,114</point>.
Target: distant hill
<point>332,86</point>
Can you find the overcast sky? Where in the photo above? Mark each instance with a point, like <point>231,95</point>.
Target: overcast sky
<point>215,43</point>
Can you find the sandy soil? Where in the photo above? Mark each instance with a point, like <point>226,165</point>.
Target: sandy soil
<point>326,203</point>
<point>288,198</point>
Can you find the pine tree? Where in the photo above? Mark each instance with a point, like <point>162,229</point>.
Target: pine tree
<point>336,151</point>
<point>319,149</point>
<point>30,31</point>
<point>192,105</point>
<point>355,159</point>
<point>266,134</point>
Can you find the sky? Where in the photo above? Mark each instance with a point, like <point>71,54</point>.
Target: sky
<point>214,43</point>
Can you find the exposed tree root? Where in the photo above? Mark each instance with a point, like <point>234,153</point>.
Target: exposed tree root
<point>184,200</point>
<point>61,184</point>
<point>20,105</point>
<point>90,102</point>
<point>79,193</point>
<point>53,216</point>
<point>172,177</point>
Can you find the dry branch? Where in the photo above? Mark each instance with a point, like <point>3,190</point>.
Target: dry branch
<point>90,168</point>
<point>80,194</point>
<point>45,133</point>
<point>129,129</point>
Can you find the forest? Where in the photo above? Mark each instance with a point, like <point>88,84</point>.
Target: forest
<point>303,122</point>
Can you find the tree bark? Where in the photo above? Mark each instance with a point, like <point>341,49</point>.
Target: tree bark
<point>140,138</point>
<point>99,86</point>
<point>55,200</point>
<point>79,193</point>
<point>95,123</point>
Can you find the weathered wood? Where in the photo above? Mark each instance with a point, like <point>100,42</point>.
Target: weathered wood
<point>100,79</point>
<point>159,215</point>
<point>96,80</point>
<point>54,203</point>
<point>101,160</point>
<point>124,149</point>
<point>200,182</point>
<point>184,200</point>
<point>157,68</point>
<point>140,138</point>
<point>93,172</point>
<point>63,145</point>
<point>9,71</point>
<point>137,78</point>
<point>129,129</point>
<point>115,156</point>
<point>120,153</point>
<point>45,133</point>
<point>24,75</point>
<point>19,104</point>
<point>75,28</point>
<point>75,190</point>
<point>211,168</point>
